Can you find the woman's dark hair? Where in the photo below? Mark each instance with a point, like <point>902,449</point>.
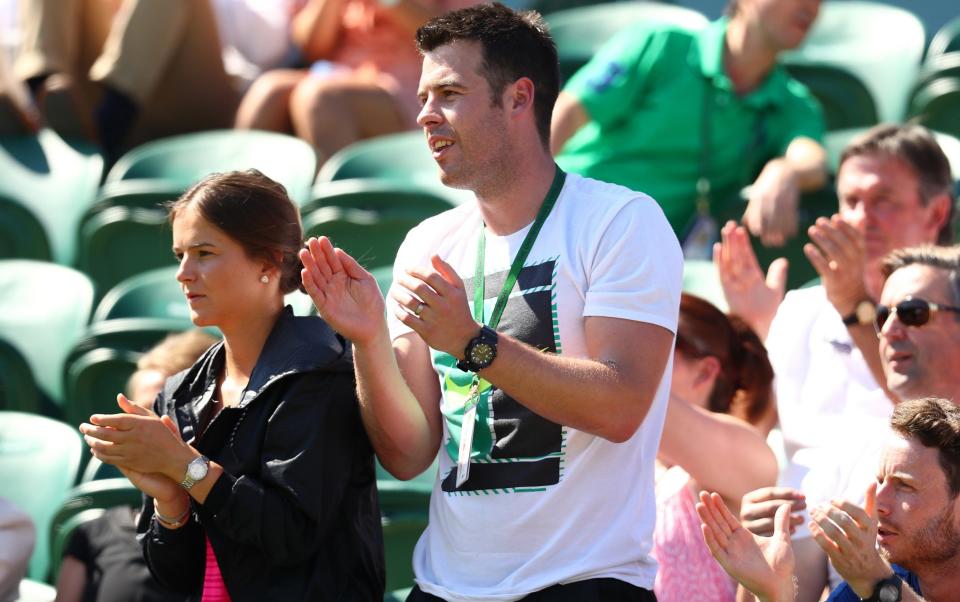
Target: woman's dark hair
<point>744,386</point>
<point>256,212</point>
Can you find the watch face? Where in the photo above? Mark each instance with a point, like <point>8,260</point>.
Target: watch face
<point>197,470</point>
<point>866,312</point>
<point>889,593</point>
<point>481,354</point>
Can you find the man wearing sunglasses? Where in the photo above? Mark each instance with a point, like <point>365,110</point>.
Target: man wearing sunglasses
<point>918,325</point>
<point>895,190</point>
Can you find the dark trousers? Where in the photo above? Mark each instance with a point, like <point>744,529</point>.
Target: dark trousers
<point>591,590</point>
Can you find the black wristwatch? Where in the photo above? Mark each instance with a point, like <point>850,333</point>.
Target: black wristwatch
<point>864,313</point>
<point>480,351</point>
<point>887,590</point>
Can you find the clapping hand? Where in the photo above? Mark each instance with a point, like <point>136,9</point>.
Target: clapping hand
<point>763,565</point>
<point>346,295</point>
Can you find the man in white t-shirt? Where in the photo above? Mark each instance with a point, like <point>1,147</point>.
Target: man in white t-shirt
<point>551,496</point>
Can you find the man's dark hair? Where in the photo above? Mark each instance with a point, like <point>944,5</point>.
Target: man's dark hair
<point>935,423</point>
<point>916,146</point>
<point>942,258</point>
<point>515,44</point>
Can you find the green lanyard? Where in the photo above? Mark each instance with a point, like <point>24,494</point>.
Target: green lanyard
<point>517,265</point>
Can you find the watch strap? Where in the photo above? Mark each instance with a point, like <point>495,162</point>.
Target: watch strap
<point>486,335</point>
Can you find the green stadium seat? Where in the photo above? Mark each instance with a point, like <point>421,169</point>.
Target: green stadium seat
<point>846,101</point>
<point>403,157</point>
<point>936,105</point>
<point>57,181</point>
<point>84,503</point>
<point>944,65</point>
<point>22,236</point>
<point>879,44</point>
<point>151,294</point>
<point>405,507</point>
<point>401,531</point>
<point>580,32</point>
<point>92,381</point>
<point>381,194</point>
<point>384,276</point>
<point>129,334</point>
<point>39,463</point>
<point>947,39</point>
<point>371,237</point>
<point>44,309</point>
<point>119,242</point>
<point>145,193</point>
<point>18,389</point>
<point>183,160</point>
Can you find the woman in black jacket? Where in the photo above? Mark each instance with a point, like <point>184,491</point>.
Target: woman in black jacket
<point>258,476</point>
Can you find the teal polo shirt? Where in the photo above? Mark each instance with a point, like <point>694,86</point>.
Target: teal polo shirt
<point>645,92</point>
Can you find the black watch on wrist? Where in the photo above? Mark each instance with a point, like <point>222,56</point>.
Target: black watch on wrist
<point>480,351</point>
<point>887,590</point>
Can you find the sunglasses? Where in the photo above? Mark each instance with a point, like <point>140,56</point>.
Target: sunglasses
<point>912,311</point>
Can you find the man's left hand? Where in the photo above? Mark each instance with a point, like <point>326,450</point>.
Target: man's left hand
<point>433,303</point>
<point>848,534</point>
<point>772,210</point>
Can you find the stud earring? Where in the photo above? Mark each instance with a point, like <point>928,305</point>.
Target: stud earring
<point>265,279</point>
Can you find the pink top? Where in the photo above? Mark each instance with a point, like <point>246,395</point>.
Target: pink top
<point>687,571</point>
<point>213,588</point>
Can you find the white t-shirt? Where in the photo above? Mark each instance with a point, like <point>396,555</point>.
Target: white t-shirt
<point>825,391</point>
<point>547,504</point>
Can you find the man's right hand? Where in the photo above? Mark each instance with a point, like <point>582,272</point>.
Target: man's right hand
<point>749,295</point>
<point>759,508</point>
<point>838,253</point>
<point>346,295</point>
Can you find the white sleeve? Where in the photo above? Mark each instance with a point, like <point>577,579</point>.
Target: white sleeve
<point>636,268</point>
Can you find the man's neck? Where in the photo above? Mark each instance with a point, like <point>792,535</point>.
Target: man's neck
<point>510,205</point>
<point>747,56</point>
<point>939,582</point>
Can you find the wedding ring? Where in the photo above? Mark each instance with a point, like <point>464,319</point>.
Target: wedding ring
<point>419,309</point>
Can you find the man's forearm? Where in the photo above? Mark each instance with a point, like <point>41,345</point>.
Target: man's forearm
<point>396,423</point>
<point>807,160</point>
<point>596,396</point>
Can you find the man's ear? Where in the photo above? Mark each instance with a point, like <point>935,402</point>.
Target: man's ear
<point>938,212</point>
<point>520,96</point>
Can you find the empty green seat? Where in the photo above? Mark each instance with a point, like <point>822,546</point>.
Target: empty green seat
<point>39,462</point>
<point>146,193</point>
<point>371,237</point>
<point>57,181</point>
<point>22,236</point>
<point>130,334</point>
<point>404,156</point>
<point>937,105</point>
<point>405,508</point>
<point>84,503</point>
<point>151,294</point>
<point>580,32</point>
<point>397,595</point>
<point>184,160</point>
<point>119,242</point>
<point>381,194</point>
<point>846,101</point>
<point>944,65</point>
<point>947,39</point>
<point>18,389</point>
<point>44,309</point>
<point>879,44</point>
<point>92,381</point>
